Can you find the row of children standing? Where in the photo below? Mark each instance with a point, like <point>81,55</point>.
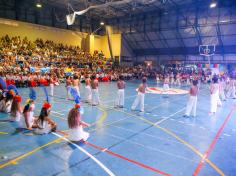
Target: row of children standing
<point>218,93</point>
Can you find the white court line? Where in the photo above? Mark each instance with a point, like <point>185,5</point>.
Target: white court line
<point>181,122</point>
<point>151,148</point>
<point>226,134</point>
<point>112,100</point>
<point>167,102</point>
<point>109,172</point>
<point>56,112</point>
<point>195,125</point>
<point>166,118</point>
<point>180,97</point>
<point>158,122</point>
<point>202,128</point>
<point>147,134</point>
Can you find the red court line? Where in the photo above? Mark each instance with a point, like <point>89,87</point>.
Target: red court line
<point>155,89</point>
<point>173,91</point>
<point>122,157</point>
<point>127,159</point>
<point>62,132</point>
<point>205,156</point>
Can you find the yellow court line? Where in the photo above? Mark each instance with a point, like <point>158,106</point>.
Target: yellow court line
<point>3,132</point>
<point>103,116</point>
<point>178,138</point>
<point>14,161</point>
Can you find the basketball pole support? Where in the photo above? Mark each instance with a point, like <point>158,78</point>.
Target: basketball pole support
<point>108,31</point>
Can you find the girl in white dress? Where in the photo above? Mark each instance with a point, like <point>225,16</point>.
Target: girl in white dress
<point>76,125</point>
<point>16,111</point>
<point>6,102</point>
<point>28,114</point>
<point>44,124</point>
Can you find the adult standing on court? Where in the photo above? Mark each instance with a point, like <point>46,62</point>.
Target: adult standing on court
<point>192,101</point>
<point>121,92</point>
<point>140,97</point>
<point>95,95</point>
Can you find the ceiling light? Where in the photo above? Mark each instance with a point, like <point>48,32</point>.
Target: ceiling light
<point>165,12</point>
<point>38,5</point>
<point>102,23</point>
<point>213,4</point>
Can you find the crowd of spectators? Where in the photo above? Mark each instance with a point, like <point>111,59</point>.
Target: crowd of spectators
<point>23,61</point>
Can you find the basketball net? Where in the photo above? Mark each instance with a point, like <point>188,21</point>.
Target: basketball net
<point>207,51</point>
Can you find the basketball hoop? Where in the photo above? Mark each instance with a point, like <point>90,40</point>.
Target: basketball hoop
<point>207,50</point>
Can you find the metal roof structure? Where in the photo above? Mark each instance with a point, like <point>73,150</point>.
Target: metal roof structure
<point>148,27</point>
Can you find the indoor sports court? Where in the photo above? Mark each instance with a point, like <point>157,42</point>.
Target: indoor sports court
<point>119,88</point>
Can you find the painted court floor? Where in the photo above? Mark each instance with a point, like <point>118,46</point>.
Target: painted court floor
<point>159,141</point>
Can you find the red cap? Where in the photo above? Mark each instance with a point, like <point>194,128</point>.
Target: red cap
<point>47,105</point>
<point>17,98</point>
<point>77,106</point>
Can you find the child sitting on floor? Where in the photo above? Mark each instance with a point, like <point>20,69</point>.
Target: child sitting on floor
<point>28,113</point>
<point>76,125</point>
<point>16,111</point>
<point>6,102</point>
<point>44,124</point>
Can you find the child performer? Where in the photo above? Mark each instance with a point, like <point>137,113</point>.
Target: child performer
<point>166,85</point>
<point>88,91</point>
<point>95,95</point>
<point>121,92</point>
<point>140,97</point>
<point>172,80</point>
<point>68,86</point>
<point>76,125</point>
<point>52,82</point>
<point>214,89</point>
<point>222,86</point>
<point>16,111</point>
<point>192,102</point>
<point>6,102</point>
<point>28,111</point>
<point>178,81</point>
<point>232,88</point>
<point>76,83</point>
<point>44,124</point>
<point>157,79</point>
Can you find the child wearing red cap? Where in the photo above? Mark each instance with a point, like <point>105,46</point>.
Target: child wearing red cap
<point>76,125</point>
<point>44,124</point>
<point>16,111</point>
